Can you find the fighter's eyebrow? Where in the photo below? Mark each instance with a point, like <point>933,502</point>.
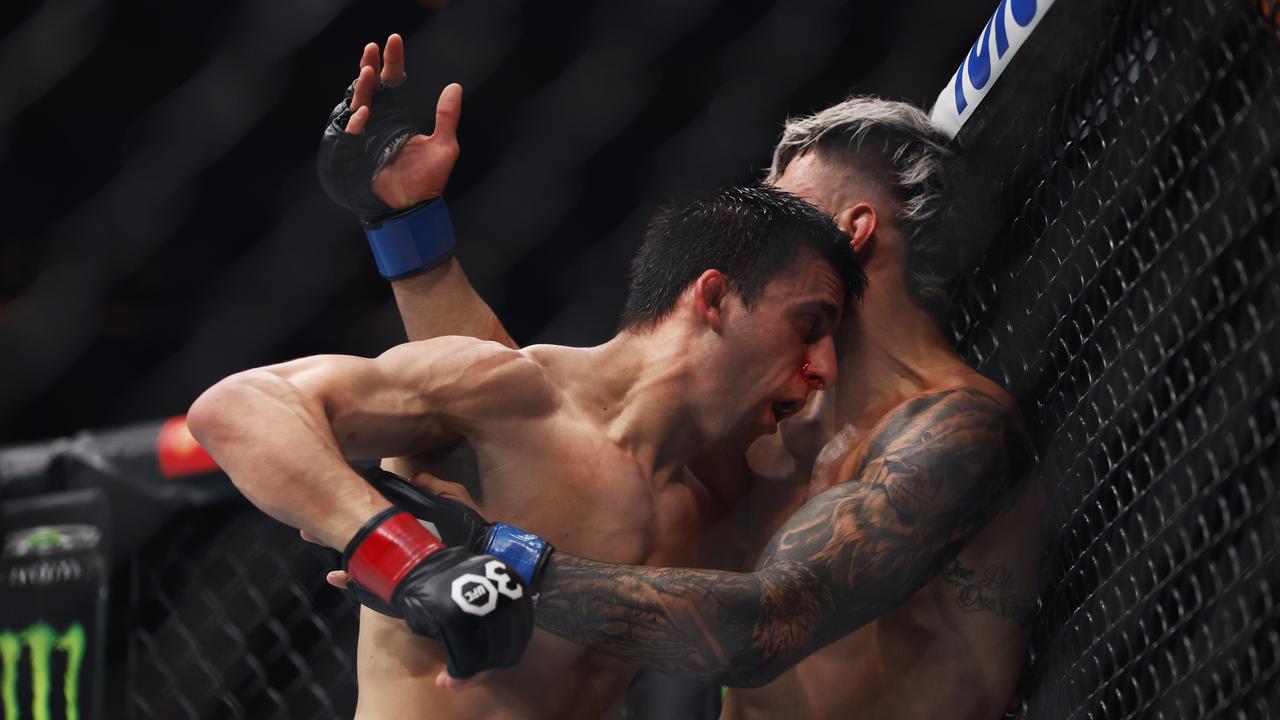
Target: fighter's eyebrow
<point>825,307</point>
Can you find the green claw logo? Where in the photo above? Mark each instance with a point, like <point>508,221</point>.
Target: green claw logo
<point>40,642</point>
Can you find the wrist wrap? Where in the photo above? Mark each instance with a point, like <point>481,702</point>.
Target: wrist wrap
<point>411,240</point>
<point>522,551</point>
<point>388,546</point>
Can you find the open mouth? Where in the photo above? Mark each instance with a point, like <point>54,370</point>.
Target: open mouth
<point>784,409</point>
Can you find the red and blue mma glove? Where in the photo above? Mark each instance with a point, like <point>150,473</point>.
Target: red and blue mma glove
<point>457,525</point>
<point>404,241</point>
<point>479,609</point>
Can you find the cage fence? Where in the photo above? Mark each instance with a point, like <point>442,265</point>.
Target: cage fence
<point>1130,302</point>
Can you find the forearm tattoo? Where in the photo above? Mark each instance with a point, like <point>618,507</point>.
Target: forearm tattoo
<point>937,471</point>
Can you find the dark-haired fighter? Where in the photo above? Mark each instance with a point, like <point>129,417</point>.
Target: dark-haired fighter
<point>727,332</point>
<point>901,577</point>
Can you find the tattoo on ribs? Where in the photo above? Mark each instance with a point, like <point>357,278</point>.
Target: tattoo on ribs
<point>989,590</point>
<point>938,469</point>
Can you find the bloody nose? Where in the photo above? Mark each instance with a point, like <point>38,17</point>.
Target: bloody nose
<point>813,380</point>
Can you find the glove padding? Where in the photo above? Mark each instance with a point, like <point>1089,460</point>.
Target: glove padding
<point>347,163</point>
<point>454,523</point>
<point>458,526</point>
<point>472,603</point>
<point>479,609</point>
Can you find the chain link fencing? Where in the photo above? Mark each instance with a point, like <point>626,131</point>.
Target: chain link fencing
<point>230,617</point>
<point>1130,303</point>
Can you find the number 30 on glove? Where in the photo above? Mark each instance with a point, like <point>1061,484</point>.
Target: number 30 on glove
<point>474,604</point>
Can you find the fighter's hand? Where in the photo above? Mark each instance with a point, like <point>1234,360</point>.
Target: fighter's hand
<point>336,578</point>
<point>421,168</point>
<point>475,605</point>
<point>372,158</point>
<point>440,487</point>
<point>451,514</point>
<point>456,492</point>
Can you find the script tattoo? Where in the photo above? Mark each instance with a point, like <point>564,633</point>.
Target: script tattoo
<point>990,590</point>
<point>939,468</point>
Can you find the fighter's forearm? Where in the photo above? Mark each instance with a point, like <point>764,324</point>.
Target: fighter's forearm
<point>276,445</point>
<point>742,629</point>
<point>693,623</point>
<point>442,302</point>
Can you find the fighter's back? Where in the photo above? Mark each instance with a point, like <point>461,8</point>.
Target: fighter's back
<point>563,475</point>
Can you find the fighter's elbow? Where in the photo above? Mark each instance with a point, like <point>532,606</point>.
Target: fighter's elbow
<point>207,416</point>
<point>746,663</point>
<point>221,413</point>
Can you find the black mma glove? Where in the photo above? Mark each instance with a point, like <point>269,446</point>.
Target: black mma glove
<point>347,163</point>
<point>460,526</point>
<point>404,241</point>
<point>477,607</point>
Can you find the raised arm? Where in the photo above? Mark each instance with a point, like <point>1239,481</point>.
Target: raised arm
<point>374,162</point>
<point>938,470</point>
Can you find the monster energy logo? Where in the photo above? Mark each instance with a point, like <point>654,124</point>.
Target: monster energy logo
<point>41,642</point>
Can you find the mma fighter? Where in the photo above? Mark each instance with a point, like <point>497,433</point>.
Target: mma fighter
<point>728,331</point>
<point>896,518</point>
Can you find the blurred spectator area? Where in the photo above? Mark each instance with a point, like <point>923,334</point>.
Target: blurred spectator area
<point>163,226</point>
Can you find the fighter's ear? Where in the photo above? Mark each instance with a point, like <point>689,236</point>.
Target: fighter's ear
<point>859,222</point>
<point>709,292</point>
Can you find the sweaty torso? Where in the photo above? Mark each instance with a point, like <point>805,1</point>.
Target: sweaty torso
<point>559,475</point>
<point>952,650</point>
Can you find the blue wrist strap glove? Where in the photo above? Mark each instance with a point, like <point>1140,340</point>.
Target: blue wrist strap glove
<point>459,526</point>
<point>412,240</point>
<point>524,552</point>
<point>405,240</point>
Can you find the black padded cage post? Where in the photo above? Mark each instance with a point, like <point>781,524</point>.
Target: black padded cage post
<point>215,610</point>
<point>1130,302</point>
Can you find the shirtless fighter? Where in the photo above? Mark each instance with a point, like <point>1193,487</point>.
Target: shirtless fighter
<point>728,330</point>
<point>901,577</point>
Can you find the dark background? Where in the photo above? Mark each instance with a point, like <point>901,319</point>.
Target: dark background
<point>163,226</point>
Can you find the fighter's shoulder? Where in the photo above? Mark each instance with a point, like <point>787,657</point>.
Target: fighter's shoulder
<point>971,401</point>
<point>975,418</point>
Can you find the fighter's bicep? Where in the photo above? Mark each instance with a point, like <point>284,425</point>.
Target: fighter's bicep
<point>371,410</point>
<point>472,379</point>
<point>947,464</point>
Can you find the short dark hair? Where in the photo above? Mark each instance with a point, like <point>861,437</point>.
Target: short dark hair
<point>751,235</point>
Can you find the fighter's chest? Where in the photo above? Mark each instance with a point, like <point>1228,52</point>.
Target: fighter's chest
<point>587,496</point>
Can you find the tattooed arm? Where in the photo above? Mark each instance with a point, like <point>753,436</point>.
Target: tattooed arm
<point>937,471</point>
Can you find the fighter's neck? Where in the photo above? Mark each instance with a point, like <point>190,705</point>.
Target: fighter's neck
<point>889,349</point>
<point>640,389</point>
